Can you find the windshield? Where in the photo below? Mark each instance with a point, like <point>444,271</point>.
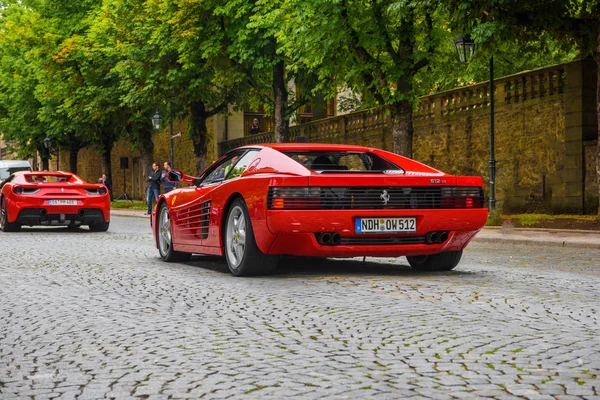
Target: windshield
<point>5,172</point>
<point>342,161</point>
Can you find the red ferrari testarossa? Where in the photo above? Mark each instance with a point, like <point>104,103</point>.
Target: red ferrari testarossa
<point>259,202</point>
<point>52,198</point>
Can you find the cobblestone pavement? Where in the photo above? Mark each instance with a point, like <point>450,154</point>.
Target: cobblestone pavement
<point>97,315</point>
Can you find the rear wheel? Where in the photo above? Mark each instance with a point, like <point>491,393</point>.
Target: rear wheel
<point>100,226</point>
<point>243,256</point>
<point>6,226</point>
<point>435,262</point>
<point>165,238</point>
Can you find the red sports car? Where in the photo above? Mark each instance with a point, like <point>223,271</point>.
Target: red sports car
<point>257,203</point>
<point>52,198</point>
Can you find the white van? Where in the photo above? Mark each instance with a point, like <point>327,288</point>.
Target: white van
<point>8,167</point>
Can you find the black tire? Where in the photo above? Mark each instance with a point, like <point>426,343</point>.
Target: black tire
<point>6,226</point>
<point>435,262</point>
<point>244,258</point>
<point>100,226</point>
<point>165,238</point>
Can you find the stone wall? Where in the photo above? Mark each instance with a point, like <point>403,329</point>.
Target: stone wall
<point>542,119</point>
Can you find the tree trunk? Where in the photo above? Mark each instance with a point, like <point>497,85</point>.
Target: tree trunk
<point>598,111</point>
<point>45,163</point>
<point>73,152</point>
<point>402,128</point>
<point>319,106</point>
<point>199,134</point>
<point>282,124</point>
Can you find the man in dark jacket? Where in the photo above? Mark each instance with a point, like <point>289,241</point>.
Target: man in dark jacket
<point>153,187</point>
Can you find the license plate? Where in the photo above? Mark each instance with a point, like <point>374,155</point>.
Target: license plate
<point>62,202</point>
<point>386,225</point>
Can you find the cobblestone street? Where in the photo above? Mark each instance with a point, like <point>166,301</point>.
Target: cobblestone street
<point>98,315</point>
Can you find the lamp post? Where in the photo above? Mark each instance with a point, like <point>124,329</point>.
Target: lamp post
<point>156,120</point>
<point>465,47</point>
<point>48,146</point>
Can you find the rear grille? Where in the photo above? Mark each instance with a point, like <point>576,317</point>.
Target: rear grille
<point>374,198</point>
<point>382,240</point>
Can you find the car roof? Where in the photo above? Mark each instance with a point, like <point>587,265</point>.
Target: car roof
<point>312,146</point>
<point>52,173</point>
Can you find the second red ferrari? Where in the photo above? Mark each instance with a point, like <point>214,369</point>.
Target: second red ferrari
<point>54,199</point>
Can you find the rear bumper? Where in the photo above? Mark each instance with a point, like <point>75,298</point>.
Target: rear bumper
<point>41,216</point>
<point>297,232</point>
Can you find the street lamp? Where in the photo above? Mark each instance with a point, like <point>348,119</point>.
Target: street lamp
<point>156,120</point>
<point>48,146</point>
<point>465,47</point>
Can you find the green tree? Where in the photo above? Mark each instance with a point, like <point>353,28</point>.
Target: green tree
<point>376,48</point>
<point>168,62</point>
<point>21,34</point>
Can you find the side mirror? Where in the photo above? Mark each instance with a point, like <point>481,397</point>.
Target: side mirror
<point>175,176</point>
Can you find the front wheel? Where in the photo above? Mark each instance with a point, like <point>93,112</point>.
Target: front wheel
<point>6,226</point>
<point>165,238</point>
<point>435,262</point>
<point>243,256</point>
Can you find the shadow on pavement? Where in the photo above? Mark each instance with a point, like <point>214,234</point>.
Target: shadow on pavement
<point>323,267</point>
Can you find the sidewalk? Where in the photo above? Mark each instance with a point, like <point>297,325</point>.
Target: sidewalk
<point>548,237</point>
<point>530,236</point>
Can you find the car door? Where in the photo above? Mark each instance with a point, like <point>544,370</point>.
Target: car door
<point>218,197</point>
<point>194,204</point>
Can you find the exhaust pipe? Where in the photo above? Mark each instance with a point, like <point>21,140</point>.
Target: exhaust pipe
<point>81,212</point>
<point>326,238</point>
<point>443,237</point>
<point>336,238</point>
<point>43,212</point>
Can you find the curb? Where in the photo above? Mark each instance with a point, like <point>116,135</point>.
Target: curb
<point>538,242</point>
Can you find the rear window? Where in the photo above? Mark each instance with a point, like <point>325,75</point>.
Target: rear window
<point>47,178</point>
<point>342,161</point>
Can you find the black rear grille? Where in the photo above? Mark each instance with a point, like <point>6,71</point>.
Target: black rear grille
<point>382,240</point>
<point>374,198</point>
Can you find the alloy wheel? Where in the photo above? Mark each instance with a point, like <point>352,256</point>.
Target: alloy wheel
<point>236,236</point>
<point>164,231</point>
<point>3,215</point>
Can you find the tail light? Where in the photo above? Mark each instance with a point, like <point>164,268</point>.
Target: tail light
<point>462,197</point>
<point>294,198</point>
<point>100,190</point>
<point>18,190</point>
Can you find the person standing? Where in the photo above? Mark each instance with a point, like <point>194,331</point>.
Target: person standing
<point>255,128</point>
<point>165,177</point>
<point>106,182</point>
<point>153,187</point>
